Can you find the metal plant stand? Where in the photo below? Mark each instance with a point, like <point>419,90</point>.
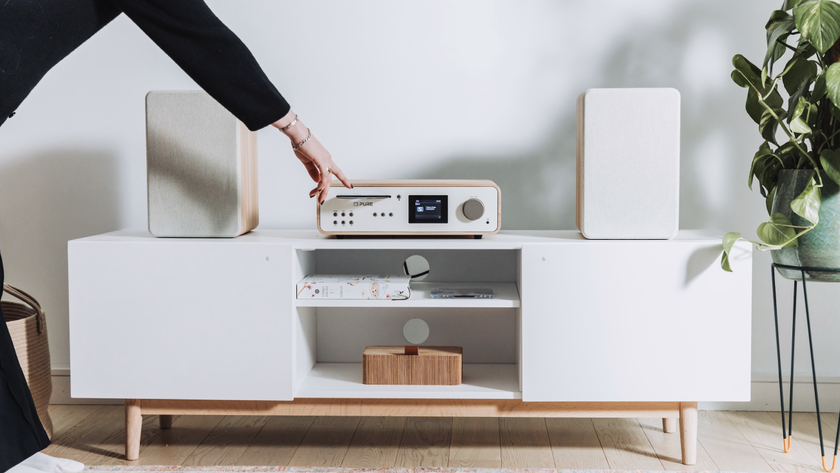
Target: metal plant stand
<point>787,431</point>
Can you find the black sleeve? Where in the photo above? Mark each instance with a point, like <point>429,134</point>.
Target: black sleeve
<point>209,52</point>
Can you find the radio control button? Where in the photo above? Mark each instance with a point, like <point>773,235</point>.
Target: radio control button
<point>374,214</point>
<point>391,214</point>
<point>473,209</point>
<point>351,214</point>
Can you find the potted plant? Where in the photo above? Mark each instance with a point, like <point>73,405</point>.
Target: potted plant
<point>799,175</point>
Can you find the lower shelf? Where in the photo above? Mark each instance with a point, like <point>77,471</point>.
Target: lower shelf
<point>344,380</point>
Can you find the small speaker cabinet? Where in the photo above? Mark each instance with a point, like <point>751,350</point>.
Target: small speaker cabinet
<point>628,163</point>
<point>201,165</point>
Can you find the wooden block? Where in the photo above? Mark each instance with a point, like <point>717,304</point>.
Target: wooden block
<point>430,366</point>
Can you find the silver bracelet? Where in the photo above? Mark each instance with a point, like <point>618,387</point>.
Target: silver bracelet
<point>304,141</point>
<point>289,125</point>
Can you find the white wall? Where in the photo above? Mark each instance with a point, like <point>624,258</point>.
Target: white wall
<point>431,89</point>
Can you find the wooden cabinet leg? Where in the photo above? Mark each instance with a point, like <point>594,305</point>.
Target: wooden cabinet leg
<point>133,427</point>
<point>165,421</point>
<point>688,432</point>
<point>669,425</point>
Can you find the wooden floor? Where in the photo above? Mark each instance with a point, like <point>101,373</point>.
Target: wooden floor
<point>730,441</point>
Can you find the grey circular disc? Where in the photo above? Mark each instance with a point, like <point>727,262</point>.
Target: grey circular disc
<point>416,331</point>
<point>417,267</point>
<point>473,209</point>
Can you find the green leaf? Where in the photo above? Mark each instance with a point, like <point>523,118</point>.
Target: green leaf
<point>775,99</point>
<point>728,241</point>
<point>807,204</point>
<point>788,153</point>
<point>798,73</point>
<point>831,163</point>
<point>777,232</point>
<point>800,108</point>
<point>812,114</point>
<point>753,106</point>
<point>768,202</point>
<point>768,125</point>
<point>819,22</point>
<point>724,262</point>
<point>819,88</point>
<point>778,28</point>
<point>805,49</point>
<point>760,165</point>
<point>755,109</point>
<point>749,72</point>
<point>767,169</point>
<point>739,79</point>
<point>760,155</point>
<point>791,4</point>
<point>832,83</point>
<point>797,124</point>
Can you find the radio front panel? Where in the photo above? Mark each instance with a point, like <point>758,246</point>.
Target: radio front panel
<point>472,207</point>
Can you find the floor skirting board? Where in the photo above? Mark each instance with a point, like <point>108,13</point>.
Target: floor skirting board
<point>765,395</point>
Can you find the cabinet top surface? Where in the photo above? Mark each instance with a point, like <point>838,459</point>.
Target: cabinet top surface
<point>312,239</point>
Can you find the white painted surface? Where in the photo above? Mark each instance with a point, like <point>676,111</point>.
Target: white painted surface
<point>305,342</point>
<point>635,321</point>
<point>344,380</point>
<point>181,319</point>
<point>222,318</point>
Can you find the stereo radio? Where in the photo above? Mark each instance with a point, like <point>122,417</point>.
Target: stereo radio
<point>412,207</point>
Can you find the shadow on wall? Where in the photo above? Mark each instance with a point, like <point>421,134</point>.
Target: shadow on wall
<point>46,199</point>
<point>538,184</point>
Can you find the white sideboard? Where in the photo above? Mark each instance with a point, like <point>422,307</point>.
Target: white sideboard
<point>578,327</point>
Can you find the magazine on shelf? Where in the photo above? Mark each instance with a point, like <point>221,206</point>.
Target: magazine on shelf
<point>353,286</point>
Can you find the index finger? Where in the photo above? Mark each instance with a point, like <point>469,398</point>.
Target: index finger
<point>326,180</point>
<point>341,177</point>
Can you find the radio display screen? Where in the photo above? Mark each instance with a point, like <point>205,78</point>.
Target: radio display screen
<point>427,209</point>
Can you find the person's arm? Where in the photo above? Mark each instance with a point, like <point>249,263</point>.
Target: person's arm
<point>208,51</point>
<point>191,34</point>
<point>315,158</point>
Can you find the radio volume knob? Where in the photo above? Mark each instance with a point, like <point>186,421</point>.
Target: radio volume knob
<point>473,209</point>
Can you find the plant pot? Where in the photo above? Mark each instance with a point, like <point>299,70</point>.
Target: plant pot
<point>820,247</point>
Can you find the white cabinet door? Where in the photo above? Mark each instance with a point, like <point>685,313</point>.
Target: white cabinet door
<point>635,321</point>
<point>180,319</point>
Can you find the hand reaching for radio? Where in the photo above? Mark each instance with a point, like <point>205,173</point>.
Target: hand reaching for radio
<point>315,158</point>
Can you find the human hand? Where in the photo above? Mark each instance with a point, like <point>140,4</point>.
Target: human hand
<point>315,158</point>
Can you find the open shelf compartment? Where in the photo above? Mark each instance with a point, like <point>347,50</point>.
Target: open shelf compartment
<point>330,335</point>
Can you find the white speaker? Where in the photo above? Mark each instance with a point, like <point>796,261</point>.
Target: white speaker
<point>201,167</point>
<point>628,163</point>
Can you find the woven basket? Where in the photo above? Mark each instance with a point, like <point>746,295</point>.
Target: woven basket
<point>28,327</point>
